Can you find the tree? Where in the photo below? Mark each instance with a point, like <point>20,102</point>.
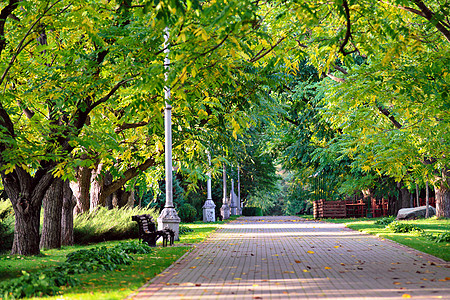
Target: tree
<point>100,69</point>
<point>387,67</point>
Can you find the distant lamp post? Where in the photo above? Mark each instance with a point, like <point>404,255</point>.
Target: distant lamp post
<point>239,194</point>
<point>209,212</point>
<point>233,200</point>
<point>168,217</point>
<point>225,209</point>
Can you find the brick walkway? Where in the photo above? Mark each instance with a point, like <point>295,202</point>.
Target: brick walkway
<point>289,258</point>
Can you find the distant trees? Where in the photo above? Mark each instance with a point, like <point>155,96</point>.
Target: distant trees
<point>384,67</point>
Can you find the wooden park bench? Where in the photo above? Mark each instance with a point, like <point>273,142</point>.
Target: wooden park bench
<point>148,232</point>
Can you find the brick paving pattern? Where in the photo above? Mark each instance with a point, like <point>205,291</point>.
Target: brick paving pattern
<point>290,258</point>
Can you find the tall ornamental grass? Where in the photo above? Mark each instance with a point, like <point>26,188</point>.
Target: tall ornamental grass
<point>106,225</point>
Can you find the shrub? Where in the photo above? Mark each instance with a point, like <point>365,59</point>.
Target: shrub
<point>6,225</point>
<point>184,229</point>
<point>49,281</point>
<point>187,213</point>
<point>437,238</point>
<point>252,211</point>
<point>398,227</point>
<point>107,224</point>
<point>385,220</point>
<point>96,259</point>
<point>34,285</point>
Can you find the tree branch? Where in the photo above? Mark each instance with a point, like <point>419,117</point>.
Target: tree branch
<point>340,69</point>
<point>28,112</point>
<point>293,122</point>
<point>256,58</point>
<point>6,11</point>
<point>409,9</point>
<point>429,15</point>
<point>81,114</point>
<point>111,92</point>
<point>385,112</point>
<point>337,79</point>
<point>126,126</point>
<point>213,48</point>
<point>21,45</point>
<point>348,32</point>
<point>129,174</point>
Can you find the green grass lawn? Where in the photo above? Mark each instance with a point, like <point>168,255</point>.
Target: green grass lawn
<point>108,285</point>
<point>411,239</point>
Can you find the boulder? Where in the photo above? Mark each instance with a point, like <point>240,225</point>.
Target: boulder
<point>415,212</point>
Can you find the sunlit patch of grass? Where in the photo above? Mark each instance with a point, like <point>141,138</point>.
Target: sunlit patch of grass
<point>410,239</point>
<point>109,285</point>
<point>128,278</point>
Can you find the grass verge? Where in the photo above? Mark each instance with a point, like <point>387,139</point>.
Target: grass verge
<point>108,285</point>
<point>410,239</point>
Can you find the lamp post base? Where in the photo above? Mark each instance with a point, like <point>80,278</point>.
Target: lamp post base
<point>170,219</point>
<point>225,211</point>
<point>209,212</point>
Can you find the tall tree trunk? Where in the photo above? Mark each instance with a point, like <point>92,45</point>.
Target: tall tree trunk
<point>107,181</point>
<point>51,227</point>
<point>442,192</point>
<point>417,195</point>
<point>26,233</point>
<point>97,182</point>
<point>131,199</point>
<point>392,205</point>
<point>69,203</point>
<point>405,196</point>
<point>115,198</point>
<point>122,198</point>
<point>26,194</point>
<point>80,190</point>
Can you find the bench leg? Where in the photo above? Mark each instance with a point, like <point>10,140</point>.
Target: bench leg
<point>150,239</point>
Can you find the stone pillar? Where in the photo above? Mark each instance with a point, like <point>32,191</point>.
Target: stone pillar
<point>169,217</point>
<point>233,197</point>
<point>209,212</point>
<point>225,209</point>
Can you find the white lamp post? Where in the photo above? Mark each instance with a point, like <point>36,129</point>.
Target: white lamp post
<point>239,193</point>
<point>233,198</point>
<point>225,209</point>
<point>209,212</point>
<point>169,217</point>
